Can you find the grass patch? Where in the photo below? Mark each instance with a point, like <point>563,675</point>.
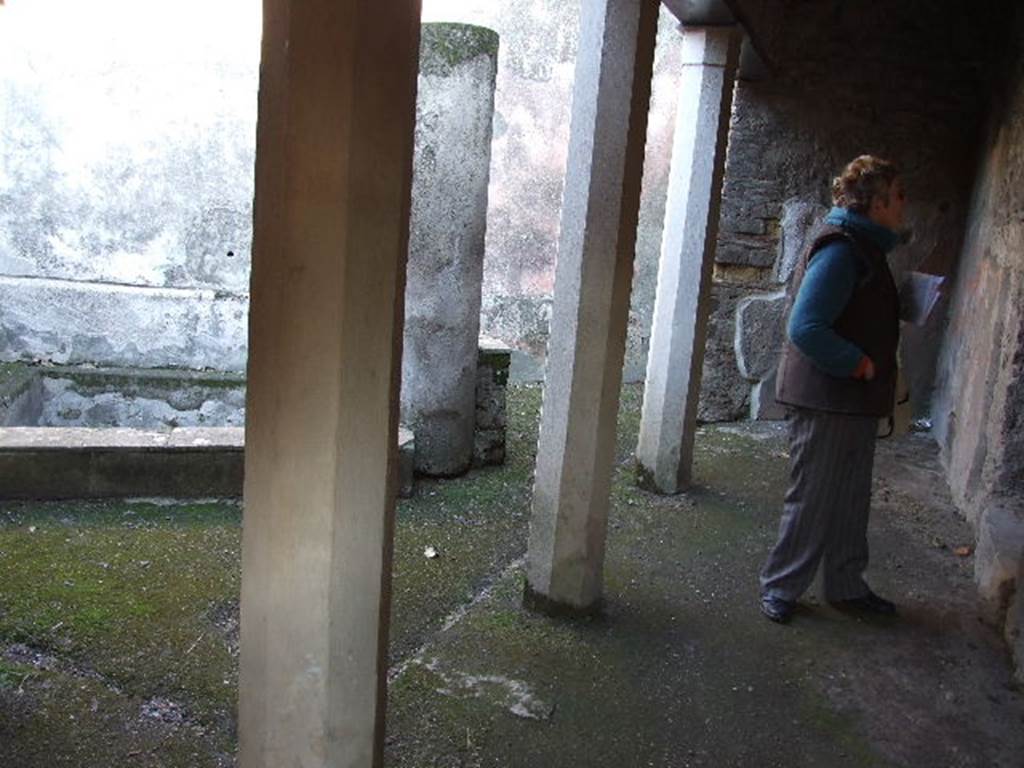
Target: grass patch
<point>14,675</point>
<point>113,583</point>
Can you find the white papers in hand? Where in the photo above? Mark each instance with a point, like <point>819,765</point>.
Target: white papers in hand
<point>919,294</point>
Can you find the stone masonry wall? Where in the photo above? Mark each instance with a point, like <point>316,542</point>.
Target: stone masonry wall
<point>975,412</point>
<point>900,80</point>
<point>979,407</point>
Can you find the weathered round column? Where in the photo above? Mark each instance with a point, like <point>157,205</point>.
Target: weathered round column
<point>454,111</point>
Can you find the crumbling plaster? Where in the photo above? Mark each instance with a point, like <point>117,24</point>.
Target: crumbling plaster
<point>447,224</point>
<point>979,411</point>
<point>126,182</point>
<point>127,158</point>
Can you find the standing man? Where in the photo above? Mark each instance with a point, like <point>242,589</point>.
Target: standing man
<point>838,374</point>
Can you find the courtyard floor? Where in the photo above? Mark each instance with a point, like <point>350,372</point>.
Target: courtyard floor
<point>119,629</point>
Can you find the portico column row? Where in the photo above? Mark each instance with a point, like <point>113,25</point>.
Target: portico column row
<point>593,277</point>
<point>682,303</point>
<point>334,146</point>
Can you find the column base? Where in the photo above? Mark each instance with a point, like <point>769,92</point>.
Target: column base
<point>540,603</point>
<point>646,480</point>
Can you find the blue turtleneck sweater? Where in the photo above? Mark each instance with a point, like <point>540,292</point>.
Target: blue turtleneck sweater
<point>827,286</point>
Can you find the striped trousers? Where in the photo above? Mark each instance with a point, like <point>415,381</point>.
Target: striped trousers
<point>825,514</point>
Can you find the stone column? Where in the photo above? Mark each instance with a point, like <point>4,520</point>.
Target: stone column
<point>333,174</point>
<point>454,113</point>
<point>682,304</point>
<point>591,303</point>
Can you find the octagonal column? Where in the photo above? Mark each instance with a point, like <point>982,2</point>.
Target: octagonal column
<point>592,283</point>
<point>682,303</point>
<point>334,152</point>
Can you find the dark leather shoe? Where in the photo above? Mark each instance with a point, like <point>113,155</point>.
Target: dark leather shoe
<point>869,603</point>
<point>776,609</point>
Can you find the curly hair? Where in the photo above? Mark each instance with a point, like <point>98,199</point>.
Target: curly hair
<point>861,180</point>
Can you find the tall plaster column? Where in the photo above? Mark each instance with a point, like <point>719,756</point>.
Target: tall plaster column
<point>591,303</point>
<point>451,171</point>
<point>682,303</point>
<point>333,176</point>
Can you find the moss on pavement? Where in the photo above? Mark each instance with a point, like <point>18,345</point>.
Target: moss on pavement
<point>118,632</point>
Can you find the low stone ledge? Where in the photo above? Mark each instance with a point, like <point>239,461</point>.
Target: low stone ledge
<point>68,322</point>
<point>71,439</point>
<point>187,462</point>
<point>76,462</point>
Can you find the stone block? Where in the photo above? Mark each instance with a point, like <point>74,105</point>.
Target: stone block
<point>999,552</point>
<point>493,364</point>
<point>489,447</point>
<point>745,250</point>
<point>140,398</point>
<point>799,219</point>
<point>759,334</point>
<point>744,225</point>
<point>67,322</point>
<point>494,360</point>
<point>756,200</point>
<point>1014,627</point>
<point>724,393</point>
<point>406,461</point>
<point>763,406</point>
<point>21,395</point>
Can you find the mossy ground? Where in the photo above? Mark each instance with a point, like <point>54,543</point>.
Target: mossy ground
<point>118,632</point>
<point>114,606</point>
<point>118,619</point>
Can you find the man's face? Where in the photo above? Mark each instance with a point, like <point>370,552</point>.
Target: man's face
<point>887,210</point>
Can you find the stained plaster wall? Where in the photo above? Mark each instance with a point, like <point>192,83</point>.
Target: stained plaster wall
<point>127,144</point>
<point>979,407</point>
<point>126,181</point>
<point>126,167</point>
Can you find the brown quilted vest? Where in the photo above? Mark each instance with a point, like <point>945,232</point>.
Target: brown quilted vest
<point>870,320</point>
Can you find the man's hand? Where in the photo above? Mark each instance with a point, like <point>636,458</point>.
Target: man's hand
<point>865,369</point>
